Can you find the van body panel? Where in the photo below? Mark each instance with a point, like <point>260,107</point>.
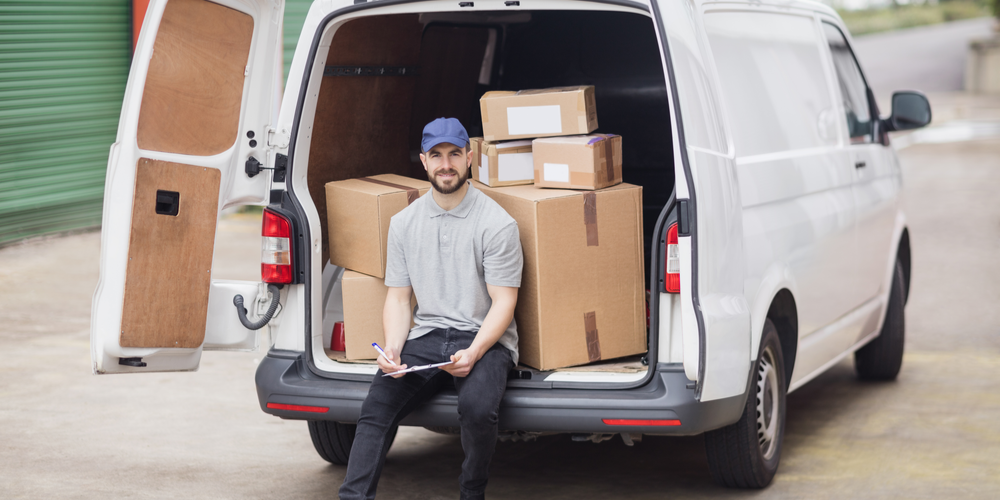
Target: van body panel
<point>213,67</point>
<point>798,183</point>
<point>720,309</point>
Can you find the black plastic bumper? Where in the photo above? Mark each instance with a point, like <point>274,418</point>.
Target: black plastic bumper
<point>283,378</point>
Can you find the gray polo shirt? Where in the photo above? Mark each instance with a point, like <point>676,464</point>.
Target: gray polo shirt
<point>449,257</point>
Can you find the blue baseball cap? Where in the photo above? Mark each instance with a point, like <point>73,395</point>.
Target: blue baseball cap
<point>448,130</point>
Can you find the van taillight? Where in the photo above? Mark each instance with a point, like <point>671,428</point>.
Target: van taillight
<point>276,249</point>
<point>672,273</point>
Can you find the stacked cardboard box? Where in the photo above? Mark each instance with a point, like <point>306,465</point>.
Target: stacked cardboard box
<point>364,299</point>
<point>558,121</point>
<point>530,114</point>
<point>502,163</point>
<point>358,214</point>
<point>582,295</point>
<point>578,162</point>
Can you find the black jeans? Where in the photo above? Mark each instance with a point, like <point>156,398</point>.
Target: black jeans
<point>390,400</point>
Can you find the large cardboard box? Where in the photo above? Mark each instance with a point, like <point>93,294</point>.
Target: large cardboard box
<point>364,299</point>
<point>582,296</point>
<point>502,163</point>
<point>358,213</point>
<point>578,162</point>
<point>538,113</point>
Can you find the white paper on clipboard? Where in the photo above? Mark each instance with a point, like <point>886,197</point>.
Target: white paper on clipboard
<point>418,368</point>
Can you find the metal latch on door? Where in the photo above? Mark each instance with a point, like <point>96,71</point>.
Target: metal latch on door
<point>253,167</point>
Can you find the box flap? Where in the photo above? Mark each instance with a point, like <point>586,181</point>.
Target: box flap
<point>553,90</point>
<point>383,184</point>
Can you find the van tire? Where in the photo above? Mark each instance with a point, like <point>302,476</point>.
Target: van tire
<point>882,358</point>
<point>333,440</point>
<point>746,454</point>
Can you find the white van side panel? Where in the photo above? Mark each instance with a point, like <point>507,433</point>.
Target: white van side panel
<point>723,352</point>
<point>720,276</point>
<point>795,180</point>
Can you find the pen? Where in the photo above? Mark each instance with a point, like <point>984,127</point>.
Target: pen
<point>380,351</point>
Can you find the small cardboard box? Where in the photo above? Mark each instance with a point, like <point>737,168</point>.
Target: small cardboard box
<point>502,163</point>
<point>578,162</point>
<point>364,299</point>
<point>538,113</point>
<point>582,295</point>
<point>358,213</point>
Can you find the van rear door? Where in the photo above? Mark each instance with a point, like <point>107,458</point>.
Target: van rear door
<point>197,109</point>
<point>715,317</point>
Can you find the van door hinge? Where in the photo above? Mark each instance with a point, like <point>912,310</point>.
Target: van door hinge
<point>276,139</point>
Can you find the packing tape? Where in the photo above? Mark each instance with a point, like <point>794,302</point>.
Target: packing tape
<point>593,340</point>
<point>411,193</point>
<point>590,217</point>
<point>609,154</point>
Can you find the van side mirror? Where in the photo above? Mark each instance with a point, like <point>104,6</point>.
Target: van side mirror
<point>910,110</point>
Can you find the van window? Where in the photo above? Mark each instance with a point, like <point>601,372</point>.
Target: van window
<point>773,85</point>
<point>853,90</point>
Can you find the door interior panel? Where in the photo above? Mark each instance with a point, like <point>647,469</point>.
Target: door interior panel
<point>168,277</point>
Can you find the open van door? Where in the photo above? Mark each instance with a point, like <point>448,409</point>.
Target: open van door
<point>718,349</point>
<point>197,109</point>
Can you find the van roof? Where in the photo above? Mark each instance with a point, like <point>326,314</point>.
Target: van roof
<point>813,5</point>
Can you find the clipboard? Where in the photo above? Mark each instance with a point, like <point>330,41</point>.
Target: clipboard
<point>418,368</point>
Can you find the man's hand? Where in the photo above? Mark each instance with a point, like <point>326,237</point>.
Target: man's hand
<point>464,360</point>
<point>393,354</point>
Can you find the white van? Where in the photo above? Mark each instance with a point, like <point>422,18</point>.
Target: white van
<point>775,245</point>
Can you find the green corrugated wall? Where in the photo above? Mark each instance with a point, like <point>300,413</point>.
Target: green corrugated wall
<point>295,15</point>
<point>63,67</point>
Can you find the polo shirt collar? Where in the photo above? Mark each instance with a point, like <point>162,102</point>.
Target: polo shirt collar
<point>463,208</point>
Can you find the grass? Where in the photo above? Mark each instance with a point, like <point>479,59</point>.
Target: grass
<point>863,22</point>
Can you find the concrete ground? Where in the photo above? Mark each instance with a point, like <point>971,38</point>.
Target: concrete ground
<point>65,433</point>
<point>933,433</point>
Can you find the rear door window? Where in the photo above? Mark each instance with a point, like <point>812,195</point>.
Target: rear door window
<point>773,84</point>
<point>853,89</point>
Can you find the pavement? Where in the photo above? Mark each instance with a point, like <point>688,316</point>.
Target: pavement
<point>933,433</point>
<point>928,58</point>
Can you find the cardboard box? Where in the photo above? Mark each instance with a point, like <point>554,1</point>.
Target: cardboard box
<point>502,163</point>
<point>578,162</point>
<point>364,299</point>
<point>583,295</point>
<point>358,213</point>
<point>538,113</point>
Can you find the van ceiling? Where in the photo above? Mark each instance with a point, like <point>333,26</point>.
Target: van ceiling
<point>366,125</point>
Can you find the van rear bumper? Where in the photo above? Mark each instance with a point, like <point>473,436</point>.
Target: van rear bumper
<point>283,378</point>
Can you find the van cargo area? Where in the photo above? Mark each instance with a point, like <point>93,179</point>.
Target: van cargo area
<point>386,76</point>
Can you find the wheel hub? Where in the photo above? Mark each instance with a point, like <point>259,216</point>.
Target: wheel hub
<point>767,404</point>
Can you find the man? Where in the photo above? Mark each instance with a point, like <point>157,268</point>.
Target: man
<point>459,253</point>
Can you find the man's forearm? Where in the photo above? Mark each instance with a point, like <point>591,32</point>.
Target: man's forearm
<point>396,318</point>
<point>496,322</point>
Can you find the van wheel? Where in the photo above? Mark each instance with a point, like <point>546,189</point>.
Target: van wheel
<point>333,440</point>
<point>882,358</point>
<point>746,454</point>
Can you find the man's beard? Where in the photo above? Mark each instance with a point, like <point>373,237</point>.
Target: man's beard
<point>462,179</point>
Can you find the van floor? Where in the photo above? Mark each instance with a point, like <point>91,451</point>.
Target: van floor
<point>629,364</point>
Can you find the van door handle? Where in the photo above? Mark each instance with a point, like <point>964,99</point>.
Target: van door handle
<point>859,164</point>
